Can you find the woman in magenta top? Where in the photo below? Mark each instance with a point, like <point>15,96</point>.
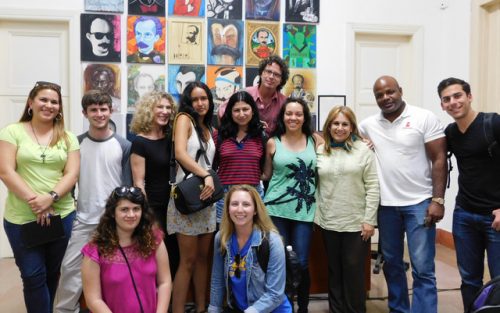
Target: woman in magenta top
<point>125,266</point>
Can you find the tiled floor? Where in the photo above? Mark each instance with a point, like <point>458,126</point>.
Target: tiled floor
<point>11,298</point>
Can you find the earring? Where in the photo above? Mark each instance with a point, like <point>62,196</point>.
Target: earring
<point>30,111</point>
<point>59,116</point>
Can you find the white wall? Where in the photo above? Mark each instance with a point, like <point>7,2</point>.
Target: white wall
<point>446,44</point>
<point>446,49</point>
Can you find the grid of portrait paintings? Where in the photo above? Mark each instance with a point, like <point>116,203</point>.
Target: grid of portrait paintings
<point>170,43</point>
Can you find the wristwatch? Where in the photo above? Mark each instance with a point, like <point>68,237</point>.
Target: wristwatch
<point>438,200</point>
<point>54,195</point>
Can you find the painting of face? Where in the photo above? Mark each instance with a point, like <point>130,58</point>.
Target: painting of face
<point>141,80</point>
<point>263,10</point>
<point>146,39</point>
<point>262,41</point>
<point>100,37</point>
<point>179,76</point>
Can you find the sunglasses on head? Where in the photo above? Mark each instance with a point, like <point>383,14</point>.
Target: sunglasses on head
<point>100,36</point>
<point>124,191</point>
<point>48,84</point>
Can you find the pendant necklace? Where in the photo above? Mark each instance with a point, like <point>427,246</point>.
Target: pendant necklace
<point>43,155</point>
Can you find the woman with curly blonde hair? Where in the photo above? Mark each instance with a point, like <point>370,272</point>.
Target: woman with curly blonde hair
<point>236,271</point>
<point>125,255</point>
<point>150,158</point>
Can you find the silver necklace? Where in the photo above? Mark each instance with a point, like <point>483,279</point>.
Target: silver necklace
<point>43,155</point>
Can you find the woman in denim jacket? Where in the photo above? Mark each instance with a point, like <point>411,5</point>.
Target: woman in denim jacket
<point>236,271</point>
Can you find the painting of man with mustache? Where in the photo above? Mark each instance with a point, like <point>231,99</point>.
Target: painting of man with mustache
<point>146,39</point>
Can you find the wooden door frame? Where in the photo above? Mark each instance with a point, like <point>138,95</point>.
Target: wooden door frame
<point>478,67</point>
<point>72,20</point>
<point>417,46</point>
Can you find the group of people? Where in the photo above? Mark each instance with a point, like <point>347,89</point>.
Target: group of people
<point>130,250</point>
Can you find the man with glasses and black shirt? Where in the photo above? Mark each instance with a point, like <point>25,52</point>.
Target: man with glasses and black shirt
<point>273,74</point>
<point>104,165</point>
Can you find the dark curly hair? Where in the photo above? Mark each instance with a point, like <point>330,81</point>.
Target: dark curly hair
<point>285,73</point>
<point>105,236</point>
<point>186,106</point>
<point>229,128</point>
<point>280,123</point>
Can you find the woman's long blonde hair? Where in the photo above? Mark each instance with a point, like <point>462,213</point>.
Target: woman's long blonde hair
<point>142,122</point>
<point>261,220</point>
<point>328,123</point>
<point>27,116</point>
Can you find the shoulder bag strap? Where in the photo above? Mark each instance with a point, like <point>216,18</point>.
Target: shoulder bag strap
<point>488,132</point>
<point>173,162</point>
<point>132,276</point>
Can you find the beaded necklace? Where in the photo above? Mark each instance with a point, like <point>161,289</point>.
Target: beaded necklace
<point>43,155</point>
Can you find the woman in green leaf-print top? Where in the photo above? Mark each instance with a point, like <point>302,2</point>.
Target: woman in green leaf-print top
<point>290,198</point>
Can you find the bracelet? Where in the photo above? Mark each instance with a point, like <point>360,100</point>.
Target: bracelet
<point>208,175</point>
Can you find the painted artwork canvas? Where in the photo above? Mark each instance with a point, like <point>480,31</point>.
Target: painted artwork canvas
<point>252,77</point>
<point>106,78</point>
<point>303,11</point>
<point>224,9</point>
<point>104,5</point>
<point>142,79</point>
<point>186,8</point>
<point>262,41</point>
<point>179,76</point>
<point>268,10</point>
<point>302,84</point>
<point>146,7</point>
<point>223,81</point>
<point>299,45</point>
<point>225,42</point>
<point>100,37</point>
<point>185,41</point>
<point>145,39</point>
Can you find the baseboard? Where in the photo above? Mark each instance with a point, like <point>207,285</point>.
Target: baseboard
<point>445,238</point>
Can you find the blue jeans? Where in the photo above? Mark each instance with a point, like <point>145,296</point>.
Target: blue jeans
<point>39,266</point>
<point>473,235</point>
<point>298,235</point>
<point>394,222</point>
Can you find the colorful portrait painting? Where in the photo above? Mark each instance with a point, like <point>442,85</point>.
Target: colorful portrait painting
<point>179,76</point>
<point>303,11</point>
<point>104,77</point>
<point>262,41</point>
<point>186,8</point>
<point>104,5</point>
<point>223,81</point>
<point>225,42</point>
<point>142,79</point>
<point>185,41</point>
<point>146,39</point>
<point>100,37</point>
<point>263,10</point>
<point>252,76</point>
<point>302,84</point>
<point>299,45</point>
<point>224,9</point>
<point>146,7</point>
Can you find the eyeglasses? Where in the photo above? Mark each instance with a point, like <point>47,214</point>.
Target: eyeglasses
<point>42,83</point>
<point>124,191</point>
<point>237,260</point>
<point>271,73</point>
<point>99,35</point>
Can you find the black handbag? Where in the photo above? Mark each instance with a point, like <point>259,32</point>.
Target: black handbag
<point>186,193</point>
<point>34,234</point>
